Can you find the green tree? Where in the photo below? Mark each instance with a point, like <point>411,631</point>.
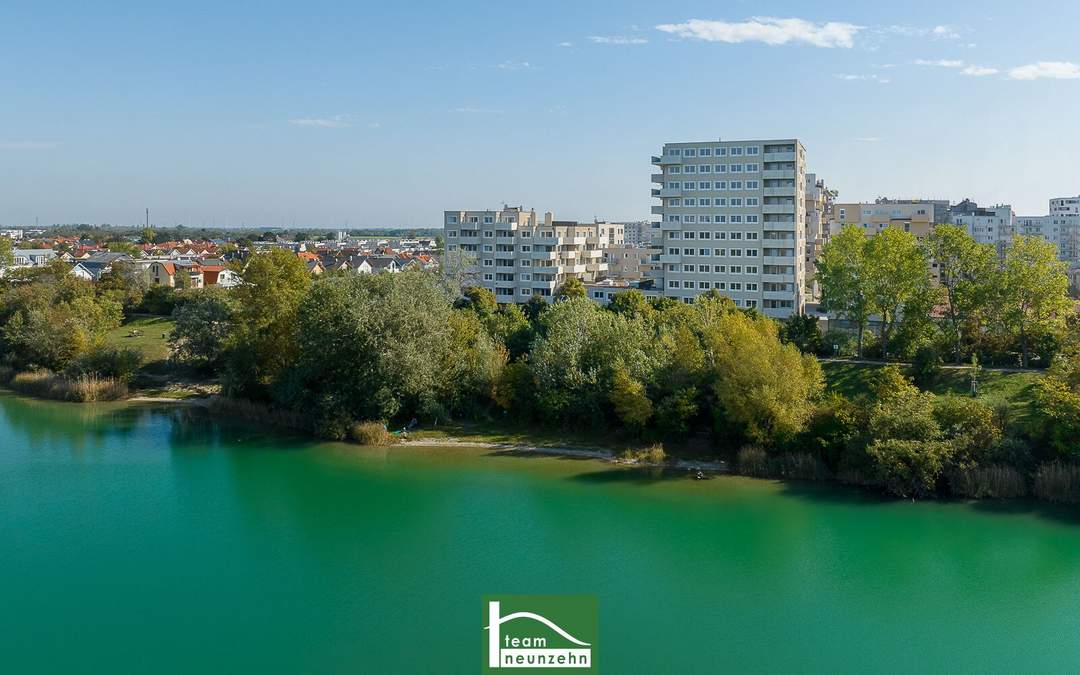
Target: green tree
<point>803,332</point>
<point>632,406</point>
<point>7,255</point>
<point>965,274</point>
<point>1057,399</point>
<point>843,270</point>
<point>267,303</point>
<point>572,288</point>
<point>898,272</point>
<point>203,326</point>
<point>765,387</point>
<point>1031,292</point>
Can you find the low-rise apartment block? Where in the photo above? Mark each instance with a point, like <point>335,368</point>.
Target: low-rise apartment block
<point>733,219</point>
<point>516,255</point>
<point>917,216</point>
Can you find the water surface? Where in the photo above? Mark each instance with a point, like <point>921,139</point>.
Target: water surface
<point>141,539</point>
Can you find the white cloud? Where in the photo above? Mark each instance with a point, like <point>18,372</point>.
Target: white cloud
<point>944,32</point>
<point>979,71</point>
<point>27,145</point>
<point>1055,70</point>
<point>767,29</point>
<point>335,122</point>
<point>616,40</point>
<point>849,77</point>
<point>514,65</point>
<point>940,63</point>
<point>477,111</point>
<point>565,44</point>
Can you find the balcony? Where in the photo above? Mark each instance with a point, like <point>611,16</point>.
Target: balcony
<point>657,210</point>
<point>778,260</point>
<point>658,178</point>
<point>671,192</point>
<point>594,253</point>
<point>655,192</point>
<point>670,258</point>
<point>778,208</point>
<point>668,159</point>
<point>505,255</point>
<point>545,255</point>
<point>778,173</point>
<point>779,278</point>
<point>779,156</point>
<point>780,191</point>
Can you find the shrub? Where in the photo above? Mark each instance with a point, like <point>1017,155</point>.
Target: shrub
<point>82,389</point>
<point>996,481</point>
<point>371,433</point>
<point>654,454</point>
<point>753,461</point>
<point>1057,482</point>
<point>925,366</point>
<point>262,413</point>
<point>908,468</point>
<point>119,363</point>
<point>838,343</point>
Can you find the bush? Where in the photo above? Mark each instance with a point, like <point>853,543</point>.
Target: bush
<point>753,461</point>
<point>908,468</point>
<point>262,413</point>
<point>1058,482</point>
<point>926,366</point>
<point>654,454</point>
<point>371,433</point>
<point>840,343</point>
<point>81,389</point>
<point>118,363</point>
<point>995,481</point>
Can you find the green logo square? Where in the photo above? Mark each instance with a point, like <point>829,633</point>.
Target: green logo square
<point>540,633</point>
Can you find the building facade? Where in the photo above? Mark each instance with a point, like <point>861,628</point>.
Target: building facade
<point>1061,227</point>
<point>516,255</point>
<point>911,215</point>
<point>638,233</point>
<point>733,219</point>
<point>631,263</point>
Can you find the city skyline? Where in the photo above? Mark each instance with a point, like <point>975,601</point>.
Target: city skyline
<point>329,122</point>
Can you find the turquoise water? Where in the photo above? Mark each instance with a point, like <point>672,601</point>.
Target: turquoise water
<point>152,540</point>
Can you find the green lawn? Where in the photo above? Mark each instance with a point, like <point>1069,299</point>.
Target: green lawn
<point>995,387</point>
<point>151,343</point>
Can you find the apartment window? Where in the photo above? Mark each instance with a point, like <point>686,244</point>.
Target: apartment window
<point>689,201</point>
<point>751,287</point>
<point>452,247</point>
<point>736,269</point>
<point>736,185</point>
<point>672,218</point>
<point>736,201</point>
<point>674,169</point>
<point>452,220</point>
<point>705,152</point>
<point>721,286</point>
<point>489,277</point>
<point>488,220</point>
<point>524,276</point>
<point>719,252</point>
<point>704,168</point>
<point>704,185</point>
<point>674,202</point>
<point>752,219</point>
<point>704,235</point>
<point>488,248</point>
<point>752,185</point>
<point>688,268</point>
<point>751,201</point>
<point>526,248</point>
<point>451,234</point>
<point>736,219</point>
<point>689,152</point>
<point>720,168</point>
<point>721,185</point>
<point>751,303</point>
<point>705,201</point>
<point>752,168</point>
<point>525,263</point>
<point>751,269</point>
<point>690,168</point>
<point>735,152</point>
<point>525,235</point>
<point>735,252</point>
<point>690,219</point>
<point>688,235</point>
<point>704,284</point>
<point>674,186</point>
<point>705,218</point>
<point>721,219</point>
<point>736,286</point>
<point>689,185</point>
<point>721,152</point>
<point>526,292</point>
<point>703,251</point>
<point>752,150</point>
<point>688,284</point>
<point>672,283</point>
<point>489,262</point>
<point>489,233</point>
<point>751,235</point>
<point>674,234</point>
<point>688,251</point>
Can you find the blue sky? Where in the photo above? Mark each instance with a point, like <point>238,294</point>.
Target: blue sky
<point>384,114</point>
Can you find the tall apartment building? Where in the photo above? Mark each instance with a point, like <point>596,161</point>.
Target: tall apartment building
<point>819,201</point>
<point>1061,227</point>
<point>516,255</point>
<point>995,225</point>
<point>733,219</point>
<point>639,233</point>
<point>915,215</point>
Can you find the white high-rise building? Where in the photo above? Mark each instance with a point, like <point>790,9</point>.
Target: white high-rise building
<point>733,219</point>
<point>639,233</point>
<point>1061,227</point>
<point>515,255</point>
<point>993,225</point>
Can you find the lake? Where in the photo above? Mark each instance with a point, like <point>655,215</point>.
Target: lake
<point>152,539</point>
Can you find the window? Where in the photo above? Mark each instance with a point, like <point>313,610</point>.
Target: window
<point>687,268</point>
<point>675,152</point>
<point>735,252</point>
<point>736,286</point>
<point>488,248</point>
<point>751,303</point>
<point>674,169</point>
<point>703,252</point>
<point>674,234</point>
<point>525,263</point>
<point>719,252</point>
<point>474,219</point>
<point>688,235</point>
<point>688,251</point>
<point>690,168</point>
<point>752,150</point>
<point>672,218</point>
<point>752,219</point>
<point>451,234</point>
<point>721,152</point>
<point>688,284</point>
<point>751,287</point>
<point>736,168</point>
<point>690,219</point>
<point>704,168</point>
<point>736,185</point>
<point>721,286</point>
<point>736,219</point>
<point>735,152</point>
<point>526,292</point>
<point>736,201</point>
<point>736,269</point>
<point>526,248</point>
<point>704,185</point>
<point>452,220</point>
<point>704,284</point>
<point>689,201</point>
<point>751,252</point>
<point>752,185</point>
<point>705,152</point>
<point>704,235</point>
<point>489,277</point>
<point>672,283</point>
<point>751,201</point>
<point>488,220</point>
<point>751,235</point>
<point>721,219</point>
<point>720,168</point>
<point>674,186</point>
<point>489,233</point>
<point>489,263</point>
<point>751,269</point>
<point>752,168</point>
<point>705,201</point>
<point>689,152</point>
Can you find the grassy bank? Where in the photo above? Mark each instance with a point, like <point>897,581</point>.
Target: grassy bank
<point>80,389</point>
